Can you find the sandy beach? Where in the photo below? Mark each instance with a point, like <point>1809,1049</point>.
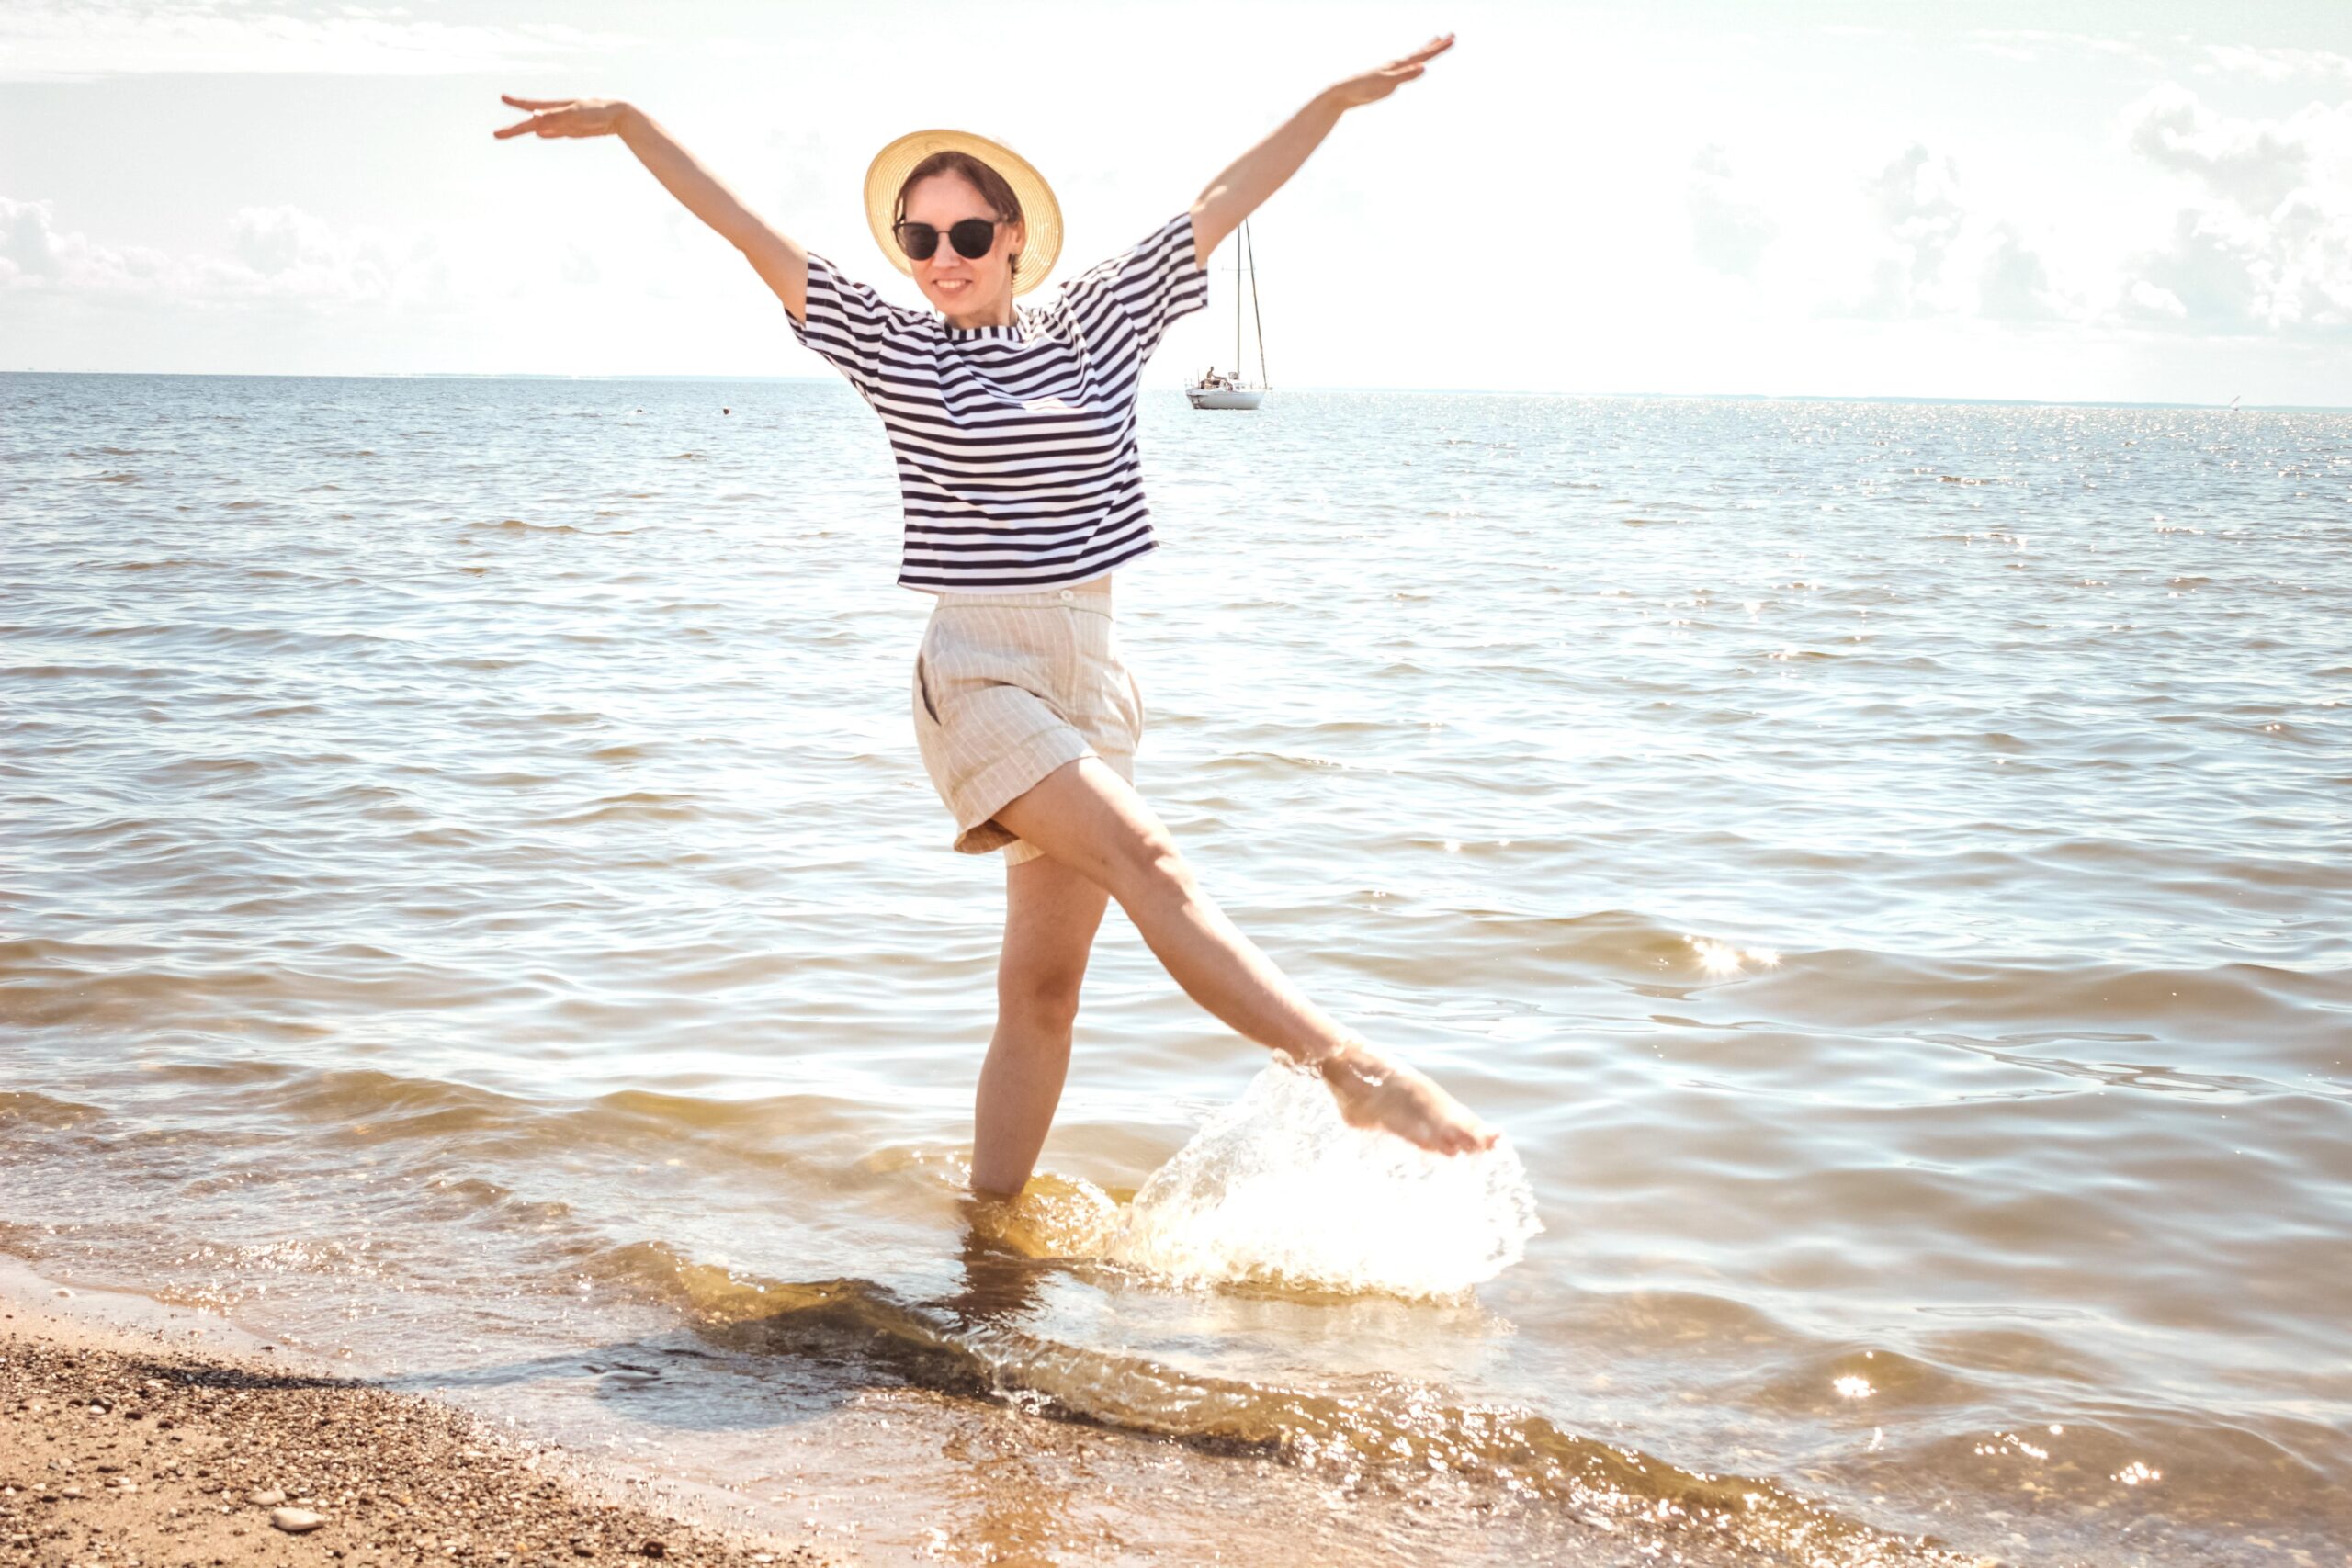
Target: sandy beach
<point>176,1441</point>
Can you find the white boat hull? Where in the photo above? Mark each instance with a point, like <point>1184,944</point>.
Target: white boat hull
<point>1225,397</point>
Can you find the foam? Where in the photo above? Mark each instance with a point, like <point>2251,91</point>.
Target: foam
<point>1275,1186</point>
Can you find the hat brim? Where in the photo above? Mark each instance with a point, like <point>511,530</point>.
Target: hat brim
<point>1041,215</point>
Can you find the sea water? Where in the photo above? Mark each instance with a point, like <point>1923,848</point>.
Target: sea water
<point>473,906</point>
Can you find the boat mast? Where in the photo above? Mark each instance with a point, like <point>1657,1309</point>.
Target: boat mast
<point>1248,247</point>
<point>1237,295</point>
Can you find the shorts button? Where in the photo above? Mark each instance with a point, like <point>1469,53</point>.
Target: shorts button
<point>1068,594</point>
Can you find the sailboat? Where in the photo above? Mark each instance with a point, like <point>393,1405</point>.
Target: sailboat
<point>1217,390</point>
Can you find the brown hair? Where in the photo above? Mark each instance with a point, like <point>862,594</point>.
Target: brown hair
<point>993,187</point>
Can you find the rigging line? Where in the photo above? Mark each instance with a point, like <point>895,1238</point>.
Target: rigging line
<point>1255,313</point>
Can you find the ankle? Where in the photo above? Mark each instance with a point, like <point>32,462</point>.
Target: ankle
<point>1351,1056</point>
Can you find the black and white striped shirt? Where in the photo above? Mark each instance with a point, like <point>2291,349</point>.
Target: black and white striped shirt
<point>1015,444</point>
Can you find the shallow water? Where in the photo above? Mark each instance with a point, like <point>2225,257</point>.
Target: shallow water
<point>470,900</point>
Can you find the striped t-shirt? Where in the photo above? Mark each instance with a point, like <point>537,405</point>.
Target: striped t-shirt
<point>1015,444</point>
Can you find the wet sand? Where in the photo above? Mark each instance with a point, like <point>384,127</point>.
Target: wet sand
<point>167,1444</point>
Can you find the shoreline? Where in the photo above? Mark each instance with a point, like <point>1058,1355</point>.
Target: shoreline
<point>137,1435</point>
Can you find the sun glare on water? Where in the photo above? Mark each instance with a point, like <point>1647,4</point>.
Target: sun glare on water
<point>1723,958</point>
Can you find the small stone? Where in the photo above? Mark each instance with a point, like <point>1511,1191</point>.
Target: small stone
<point>296,1521</point>
<point>69,1491</point>
<point>261,1498</point>
<point>152,1383</point>
<point>654,1549</point>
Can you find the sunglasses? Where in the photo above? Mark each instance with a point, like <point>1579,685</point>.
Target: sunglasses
<point>972,238</point>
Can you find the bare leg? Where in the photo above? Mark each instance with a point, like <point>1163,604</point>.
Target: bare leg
<point>1086,817</point>
<point>1051,914</point>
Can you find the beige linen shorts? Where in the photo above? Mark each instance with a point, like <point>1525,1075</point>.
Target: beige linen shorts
<point>1010,686</point>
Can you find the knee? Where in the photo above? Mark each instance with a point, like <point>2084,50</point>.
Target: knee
<point>1039,1004</point>
<point>1156,867</point>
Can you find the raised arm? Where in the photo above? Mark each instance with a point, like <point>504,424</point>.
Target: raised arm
<point>780,262</point>
<point>1259,172</point>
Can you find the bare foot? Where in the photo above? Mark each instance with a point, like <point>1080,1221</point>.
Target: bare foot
<point>1378,1092</point>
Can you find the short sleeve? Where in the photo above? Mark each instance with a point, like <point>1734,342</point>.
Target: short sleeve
<point>846,323</point>
<point>1153,284</point>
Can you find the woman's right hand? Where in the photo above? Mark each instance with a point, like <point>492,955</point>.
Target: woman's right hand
<point>782,264</point>
<point>565,117</point>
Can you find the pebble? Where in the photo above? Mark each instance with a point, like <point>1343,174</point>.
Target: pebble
<point>260,1498</point>
<point>296,1521</point>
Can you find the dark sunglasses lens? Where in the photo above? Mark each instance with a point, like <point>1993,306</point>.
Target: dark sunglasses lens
<point>918,240</point>
<point>972,238</point>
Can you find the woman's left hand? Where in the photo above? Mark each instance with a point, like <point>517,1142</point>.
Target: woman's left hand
<point>1377,83</point>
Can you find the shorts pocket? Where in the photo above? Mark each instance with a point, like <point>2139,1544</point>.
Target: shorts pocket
<point>1137,687</point>
<point>923,691</point>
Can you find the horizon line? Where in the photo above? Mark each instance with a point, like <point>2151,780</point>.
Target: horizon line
<point>1481,391</point>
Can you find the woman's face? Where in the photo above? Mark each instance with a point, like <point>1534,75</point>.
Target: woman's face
<point>962,289</point>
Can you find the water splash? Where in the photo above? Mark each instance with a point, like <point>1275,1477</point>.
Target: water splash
<point>1275,1186</point>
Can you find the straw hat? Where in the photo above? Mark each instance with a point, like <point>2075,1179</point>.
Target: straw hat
<point>1041,214</point>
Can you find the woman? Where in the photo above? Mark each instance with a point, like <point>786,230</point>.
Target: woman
<point>1015,431</point>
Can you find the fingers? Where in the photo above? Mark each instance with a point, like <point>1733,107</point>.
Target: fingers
<point>553,123</point>
<point>538,121</point>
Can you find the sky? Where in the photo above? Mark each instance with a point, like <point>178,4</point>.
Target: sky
<point>2082,201</point>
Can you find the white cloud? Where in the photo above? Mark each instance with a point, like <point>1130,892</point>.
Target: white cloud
<point>34,254</point>
<point>28,244</point>
<point>47,39</point>
<point>2255,163</point>
<point>2030,44</point>
<point>2206,275</point>
<point>2273,253</point>
<point>278,255</point>
<point>2014,283</point>
<point>2279,64</point>
<point>1728,233</point>
<point>1916,203</point>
